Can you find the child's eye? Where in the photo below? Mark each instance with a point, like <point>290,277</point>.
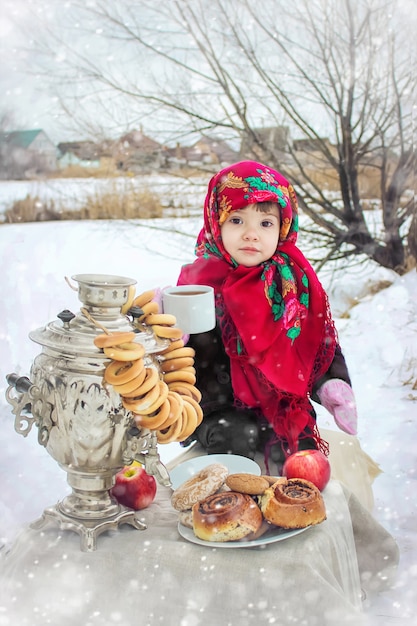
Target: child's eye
<point>235,220</point>
<point>267,223</point>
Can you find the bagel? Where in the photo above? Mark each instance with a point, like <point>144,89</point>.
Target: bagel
<point>129,389</point>
<point>150,308</point>
<point>183,391</point>
<point>183,374</point>
<point>130,297</point>
<point>171,365</point>
<point>150,380</point>
<point>176,404</point>
<point>138,405</point>
<point>189,421</point>
<point>113,339</point>
<point>164,319</point>
<point>185,351</point>
<point>197,408</point>
<point>162,413</point>
<point>149,422</point>
<point>170,434</point>
<point>160,399</point>
<point>120,372</point>
<point>167,332</point>
<point>144,298</point>
<point>153,422</point>
<point>174,345</point>
<point>186,389</point>
<point>125,352</point>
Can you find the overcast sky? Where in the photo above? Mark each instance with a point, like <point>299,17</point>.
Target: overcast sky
<point>24,95</point>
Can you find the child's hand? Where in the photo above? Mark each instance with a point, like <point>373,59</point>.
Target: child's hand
<point>337,397</point>
<point>158,298</point>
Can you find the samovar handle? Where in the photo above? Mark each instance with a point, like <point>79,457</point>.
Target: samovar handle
<point>20,383</point>
<point>27,393</point>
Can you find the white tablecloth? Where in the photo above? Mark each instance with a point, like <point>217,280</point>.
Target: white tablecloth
<point>155,577</point>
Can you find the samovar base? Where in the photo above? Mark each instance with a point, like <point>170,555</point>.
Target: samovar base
<point>88,530</point>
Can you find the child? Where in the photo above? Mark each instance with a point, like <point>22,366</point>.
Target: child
<point>275,345</point>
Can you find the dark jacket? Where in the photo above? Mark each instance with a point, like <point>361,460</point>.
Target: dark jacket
<point>225,428</point>
<point>213,371</point>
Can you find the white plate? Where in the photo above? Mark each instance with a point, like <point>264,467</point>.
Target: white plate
<point>271,536</point>
<point>236,464</point>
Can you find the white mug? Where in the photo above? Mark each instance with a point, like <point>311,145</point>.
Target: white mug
<point>192,305</point>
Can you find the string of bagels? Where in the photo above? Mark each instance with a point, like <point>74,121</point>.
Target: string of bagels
<point>162,398</point>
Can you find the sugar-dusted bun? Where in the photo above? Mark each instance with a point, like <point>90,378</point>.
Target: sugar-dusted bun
<point>293,503</point>
<point>186,518</point>
<point>226,516</point>
<point>203,484</point>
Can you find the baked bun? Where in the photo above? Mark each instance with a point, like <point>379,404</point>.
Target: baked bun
<point>186,518</point>
<point>271,479</point>
<point>247,483</point>
<point>293,503</point>
<point>227,516</point>
<point>207,481</point>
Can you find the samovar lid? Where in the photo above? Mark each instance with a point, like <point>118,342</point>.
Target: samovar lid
<point>102,296</point>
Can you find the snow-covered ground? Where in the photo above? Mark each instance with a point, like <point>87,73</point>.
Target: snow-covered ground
<point>378,332</point>
<point>175,191</point>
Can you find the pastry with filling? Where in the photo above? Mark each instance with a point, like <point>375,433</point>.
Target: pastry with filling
<point>226,516</point>
<point>293,503</point>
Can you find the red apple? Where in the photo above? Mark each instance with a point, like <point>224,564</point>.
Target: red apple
<point>311,465</point>
<point>134,488</point>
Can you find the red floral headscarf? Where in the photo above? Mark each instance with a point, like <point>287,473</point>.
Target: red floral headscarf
<point>274,318</point>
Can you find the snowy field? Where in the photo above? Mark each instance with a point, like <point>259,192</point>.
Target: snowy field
<point>175,191</point>
<point>378,333</point>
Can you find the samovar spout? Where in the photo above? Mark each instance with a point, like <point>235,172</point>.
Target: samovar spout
<point>142,446</point>
<point>154,465</point>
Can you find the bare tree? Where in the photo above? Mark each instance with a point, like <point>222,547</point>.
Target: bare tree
<point>336,73</point>
<point>5,122</point>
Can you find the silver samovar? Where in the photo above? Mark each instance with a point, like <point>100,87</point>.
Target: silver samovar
<point>82,423</point>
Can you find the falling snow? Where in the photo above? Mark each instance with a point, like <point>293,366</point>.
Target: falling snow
<point>379,338</point>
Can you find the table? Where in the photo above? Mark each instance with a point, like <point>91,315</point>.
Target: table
<point>154,576</point>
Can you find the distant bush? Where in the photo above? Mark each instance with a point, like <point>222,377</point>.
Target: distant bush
<point>133,204</point>
<point>112,205</point>
<point>80,171</point>
<point>31,209</point>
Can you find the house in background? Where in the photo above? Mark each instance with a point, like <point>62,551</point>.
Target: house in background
<point>79,153</point>
<point>264,142</point>
<point>135,152</point>
<point>313,149</point>
<point>205,151</point>
<point>211,151</point>
<point>26,154</point>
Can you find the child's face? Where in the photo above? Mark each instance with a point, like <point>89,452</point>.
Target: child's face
<point>250,235</point>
